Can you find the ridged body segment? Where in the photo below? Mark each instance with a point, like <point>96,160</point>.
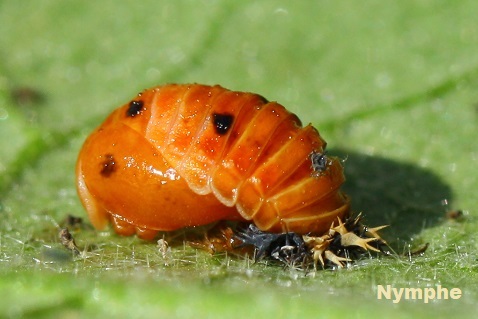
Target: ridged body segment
<point>249,155</point>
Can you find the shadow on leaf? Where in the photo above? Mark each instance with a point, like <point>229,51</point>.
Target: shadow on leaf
<point>387,192</point>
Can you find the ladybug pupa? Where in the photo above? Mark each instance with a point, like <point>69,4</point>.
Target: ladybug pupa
<point>177,156</point>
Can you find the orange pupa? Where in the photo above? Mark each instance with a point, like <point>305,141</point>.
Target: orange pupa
<point>187,155</point>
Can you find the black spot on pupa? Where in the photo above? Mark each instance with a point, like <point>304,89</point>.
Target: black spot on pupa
<point>108,166</point>
<point>135,108</point>
<point>222,122</point>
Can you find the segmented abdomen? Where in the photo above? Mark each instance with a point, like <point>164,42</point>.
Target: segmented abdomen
<point>249,152</point>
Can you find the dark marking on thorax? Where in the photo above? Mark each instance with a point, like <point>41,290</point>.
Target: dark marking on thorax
<point>135,108</point>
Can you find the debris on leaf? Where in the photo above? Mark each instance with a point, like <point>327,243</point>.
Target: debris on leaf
<point>454,214</point>
<point>72,222</point>
<point>165,251</point>
<point>219,238</point>
<point>417,252</point>
<point>68,241</point>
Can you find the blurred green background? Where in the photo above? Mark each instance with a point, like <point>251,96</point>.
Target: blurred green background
<point>391,86</point>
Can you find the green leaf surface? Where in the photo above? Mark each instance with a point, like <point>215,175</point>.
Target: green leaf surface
<point>391,86</point>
